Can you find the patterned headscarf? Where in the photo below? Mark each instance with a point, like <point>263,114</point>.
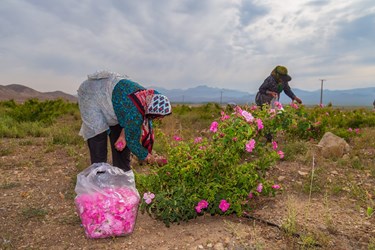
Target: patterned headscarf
<point>150,104</point>
<point>159,105</point>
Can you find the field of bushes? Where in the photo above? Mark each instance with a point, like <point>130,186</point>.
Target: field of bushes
<point>222,163</point>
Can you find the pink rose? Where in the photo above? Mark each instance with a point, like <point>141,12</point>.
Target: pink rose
<point>251,195</point>
<point>238,110</point>
<point>201,205</point>
<point>294,105</point>
<point>278,105</point>
<point>198,140</point>
<point>260,124</point>
<point>250,145</point>
<point>248,117</point>
<point>119,145</point>
<point>148,197</point>
<point>177,138</point>
<point>224,205</point>
<point>213,127</point>
<point>224,116</point>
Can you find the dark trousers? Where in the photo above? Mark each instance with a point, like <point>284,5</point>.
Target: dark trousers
<point>98,146</point>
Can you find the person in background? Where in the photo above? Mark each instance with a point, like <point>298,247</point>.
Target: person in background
<point>112,105</point>
<point>273,85</point>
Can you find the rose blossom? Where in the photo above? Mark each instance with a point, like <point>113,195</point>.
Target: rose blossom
<point>278,105</point>
<point>259,188</point>
<point>213,127</point>
<point>148,197</point>
<point>248,117</point>
<point>293,105</point>
<point>250,145</point>
<point>224,205</point>
<point>224,116</point>
<point>238,110</point>
<point>281,154</point>
<point>260,124</point>
<point>201,205</point>
<point>251,195</point>
<point>120,145</point>
<point>177,138</point>
<point>198,140</point>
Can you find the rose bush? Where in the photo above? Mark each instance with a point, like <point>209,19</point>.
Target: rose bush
<point>222,169</point>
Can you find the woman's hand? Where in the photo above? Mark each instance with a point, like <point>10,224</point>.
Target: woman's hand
<point>159,160</point>
<point>297,100</point>
<point>273,94</point>
<point>120,144</point>
<point>150,159</point>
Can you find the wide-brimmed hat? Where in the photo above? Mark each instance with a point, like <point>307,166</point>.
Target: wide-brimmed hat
<point>283,73</point>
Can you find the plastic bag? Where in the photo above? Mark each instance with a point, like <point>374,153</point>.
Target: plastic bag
<point>107,201</point>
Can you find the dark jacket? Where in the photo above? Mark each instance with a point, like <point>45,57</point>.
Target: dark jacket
<point>270,84</point>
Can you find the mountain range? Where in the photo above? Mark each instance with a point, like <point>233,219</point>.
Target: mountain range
<point>20,93</point>
<point>204,94</point>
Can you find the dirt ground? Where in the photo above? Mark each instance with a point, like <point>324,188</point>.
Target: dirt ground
<point>37,210</point>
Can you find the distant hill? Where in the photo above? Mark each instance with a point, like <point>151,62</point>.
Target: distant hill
<point>20,93</point>
<point>349,97</point>
<point>204,94</point>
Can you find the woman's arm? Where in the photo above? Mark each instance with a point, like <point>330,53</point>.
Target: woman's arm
<point>128,117</point>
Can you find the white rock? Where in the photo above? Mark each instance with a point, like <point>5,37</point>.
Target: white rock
<point>219,246</point>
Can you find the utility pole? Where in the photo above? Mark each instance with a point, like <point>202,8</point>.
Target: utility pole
<point>321,91</point>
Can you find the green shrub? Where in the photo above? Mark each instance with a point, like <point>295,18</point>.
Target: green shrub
<point>212,168</point>
<point>215,166</point>
<point>33,117</point>
<point>33,110</point>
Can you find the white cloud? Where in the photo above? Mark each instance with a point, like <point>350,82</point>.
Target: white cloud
<point>53,45</point>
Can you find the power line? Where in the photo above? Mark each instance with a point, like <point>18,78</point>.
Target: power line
<point>321,91</point>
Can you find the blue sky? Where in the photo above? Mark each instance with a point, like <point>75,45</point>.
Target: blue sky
<point>53,45</point>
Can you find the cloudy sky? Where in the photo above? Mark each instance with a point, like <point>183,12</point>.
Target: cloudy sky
<point>52,45</point>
